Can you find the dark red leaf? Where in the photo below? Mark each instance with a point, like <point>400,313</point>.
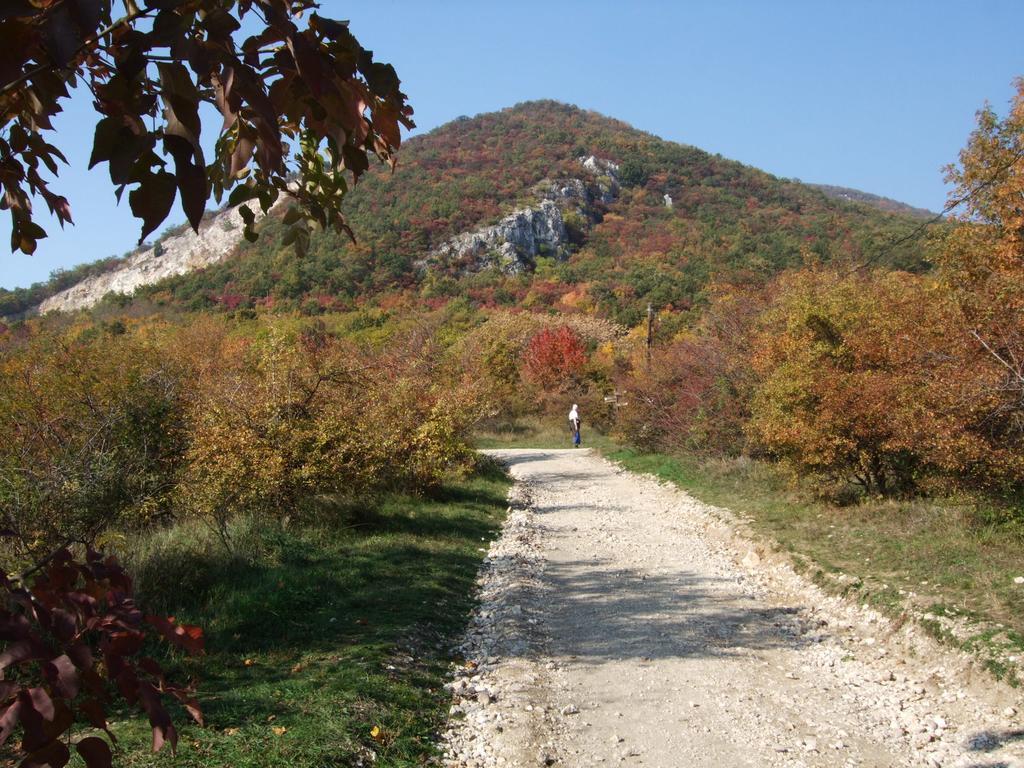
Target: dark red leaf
<point>330,28</point>
<point>181,105</point>
<point>242,155</point>
<point>125,155</point>
<point>14,626</point>
<point>95,752</point>
<point>63,676</point>
<point>95,712</point>
<point>38,730</point>
<point>182,635</point>
<point>308,62</point>
<point>110,132</point>
<point>81,655</point>
<point>64,624</point>
<point>9,720</point>
<point>33,736</point>
<point>13,9</point>
<point>87,13</point>
<point>41,702</point>
<point>7,689</point>
<point>63,37</point>
<point>355,159</point>
<point>227,102</point>
<point>128,684</point>
<point>152,201</point>
<point>150,665</point>
<point>23,650</point>
<point>189,703</point>
<point>163,729</point>
<point>93,682</point>
<point>382,79</point>
<point>163,734</point>
<point>120,637</point>
<point>220,23</point>
<point>52,755</point>
<point>190,175</point>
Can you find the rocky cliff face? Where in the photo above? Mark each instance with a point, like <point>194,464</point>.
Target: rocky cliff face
<point>514,243</point>
<point>511,245</point>
<point>174,255</point>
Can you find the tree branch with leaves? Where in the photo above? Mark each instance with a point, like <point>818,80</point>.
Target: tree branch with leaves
<point>301,105</point>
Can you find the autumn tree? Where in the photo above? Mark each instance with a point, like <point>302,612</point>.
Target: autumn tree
<point>845,365</point>
<point>695,393</point>
<point>93,426</point>
<point>981,264</point>
<point>298,413</point>
<point>93,438</point>
<point>300,101</point>
<point>554,357</point>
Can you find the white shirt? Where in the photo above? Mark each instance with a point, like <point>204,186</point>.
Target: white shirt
<point>574,415</point>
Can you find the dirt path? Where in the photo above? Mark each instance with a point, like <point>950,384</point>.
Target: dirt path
<point>623,622</point>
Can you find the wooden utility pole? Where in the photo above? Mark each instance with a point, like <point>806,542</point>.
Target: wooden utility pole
<point>650,333</point>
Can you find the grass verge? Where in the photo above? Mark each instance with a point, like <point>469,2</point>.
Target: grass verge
<point>932,557</point>
<point>317,635</point>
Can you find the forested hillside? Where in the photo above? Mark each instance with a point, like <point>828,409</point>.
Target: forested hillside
<point>725,221</point>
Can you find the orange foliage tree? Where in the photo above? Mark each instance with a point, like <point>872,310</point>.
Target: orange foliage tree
<point>845,365</point>
<point>92,439</point>
<point>285,415</point>
<point>92,426</point>
<point>981,265</point>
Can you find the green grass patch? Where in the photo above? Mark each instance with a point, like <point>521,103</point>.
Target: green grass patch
<point>318,634</point>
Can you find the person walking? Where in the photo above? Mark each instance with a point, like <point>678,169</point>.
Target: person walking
<point>574,425</point>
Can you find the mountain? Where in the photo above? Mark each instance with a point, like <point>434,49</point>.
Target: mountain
<point>545,205</point>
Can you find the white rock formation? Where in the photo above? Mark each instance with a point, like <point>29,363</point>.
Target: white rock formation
<point>510,245</point>
<point>607,174</point>
<point>174,255</point>
<point>599,167</point>
<point>514,243</point>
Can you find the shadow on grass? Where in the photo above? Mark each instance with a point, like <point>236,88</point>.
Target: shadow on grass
<point>330,631</point>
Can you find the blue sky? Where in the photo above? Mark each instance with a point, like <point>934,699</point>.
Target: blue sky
<point>873,95</point>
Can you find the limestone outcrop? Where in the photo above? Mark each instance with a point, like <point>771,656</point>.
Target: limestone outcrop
<point>514,243</point>
<point>173,255</point>
<point>511,245</point>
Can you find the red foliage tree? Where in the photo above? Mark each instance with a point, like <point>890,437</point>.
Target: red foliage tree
<point>554,357</point>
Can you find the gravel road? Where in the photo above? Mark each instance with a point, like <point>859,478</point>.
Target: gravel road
<point>623,622</point>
